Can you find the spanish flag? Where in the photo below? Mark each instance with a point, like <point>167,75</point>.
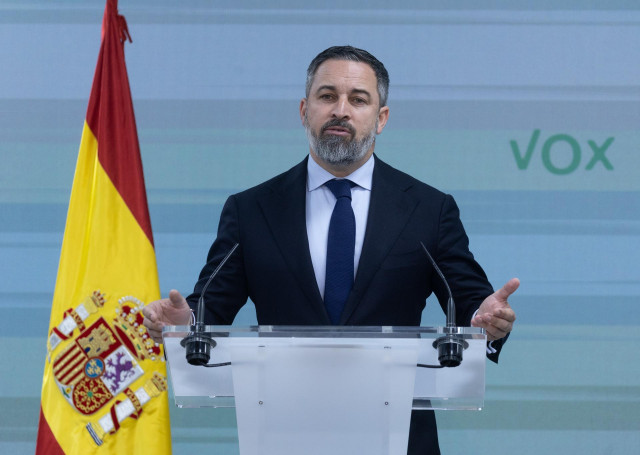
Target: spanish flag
<point>104,389</point>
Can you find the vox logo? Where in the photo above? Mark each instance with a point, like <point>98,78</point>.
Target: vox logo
<point>555,150</point>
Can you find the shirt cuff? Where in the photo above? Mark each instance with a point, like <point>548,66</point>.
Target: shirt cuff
<point>490,348</point>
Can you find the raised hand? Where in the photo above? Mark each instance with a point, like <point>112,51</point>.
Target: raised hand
<point>172,311</point>
<point>495,315</point>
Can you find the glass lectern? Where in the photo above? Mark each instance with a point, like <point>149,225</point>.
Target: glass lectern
<point>320,390</point>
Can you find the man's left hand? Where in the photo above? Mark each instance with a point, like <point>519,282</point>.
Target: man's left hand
<point>495,315</point>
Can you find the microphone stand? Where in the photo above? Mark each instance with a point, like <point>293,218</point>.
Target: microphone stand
<point>450,346</point>
<point>199,343</point>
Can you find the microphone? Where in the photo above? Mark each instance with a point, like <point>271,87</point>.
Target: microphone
<point>450,346</point>
<point>198,344</point>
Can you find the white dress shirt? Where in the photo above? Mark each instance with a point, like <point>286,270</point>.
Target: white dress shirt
<point>320,202</point>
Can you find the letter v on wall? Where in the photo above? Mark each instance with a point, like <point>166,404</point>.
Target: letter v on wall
<point>523,161</point>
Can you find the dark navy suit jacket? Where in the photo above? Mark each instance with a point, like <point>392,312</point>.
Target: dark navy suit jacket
<point>273,268</point>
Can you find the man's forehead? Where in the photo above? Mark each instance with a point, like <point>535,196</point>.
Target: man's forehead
<point>334,73</point>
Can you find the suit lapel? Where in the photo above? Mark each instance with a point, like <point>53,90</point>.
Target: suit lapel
<point>284,209</point>
<point>390,209</point>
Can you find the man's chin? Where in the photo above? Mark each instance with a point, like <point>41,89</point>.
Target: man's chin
<point>340,161</point>
<point>337,137</point>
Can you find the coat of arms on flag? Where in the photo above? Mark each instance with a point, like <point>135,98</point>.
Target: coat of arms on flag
<point>102,360</point>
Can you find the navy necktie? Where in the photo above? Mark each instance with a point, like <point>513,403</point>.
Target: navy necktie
<point>340,249</point>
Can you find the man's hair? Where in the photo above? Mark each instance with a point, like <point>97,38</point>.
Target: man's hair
<point>355,55</point>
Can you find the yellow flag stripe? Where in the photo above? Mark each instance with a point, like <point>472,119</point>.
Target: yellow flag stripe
<point>103,248</point>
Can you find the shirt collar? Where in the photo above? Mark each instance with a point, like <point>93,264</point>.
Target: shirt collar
<point>317,176</point>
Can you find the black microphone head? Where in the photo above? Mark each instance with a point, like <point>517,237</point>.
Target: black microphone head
<point>198,349</point>
<point>450,349</point>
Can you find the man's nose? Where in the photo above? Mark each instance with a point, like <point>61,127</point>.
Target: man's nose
<point>341,109</point>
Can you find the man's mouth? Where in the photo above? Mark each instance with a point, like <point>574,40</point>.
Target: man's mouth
<point>337,130</point>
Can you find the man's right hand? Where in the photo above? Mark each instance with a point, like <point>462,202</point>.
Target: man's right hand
<point>172,311</point>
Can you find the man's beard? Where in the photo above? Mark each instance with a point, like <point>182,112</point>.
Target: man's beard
<point>339,150</point>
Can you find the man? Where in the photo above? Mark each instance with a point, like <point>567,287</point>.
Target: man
<point>291,260</point>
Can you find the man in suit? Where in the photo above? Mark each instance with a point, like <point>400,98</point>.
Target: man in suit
<point>290,261</point>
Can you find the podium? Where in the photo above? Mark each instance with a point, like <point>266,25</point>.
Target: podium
<point>318,390</point>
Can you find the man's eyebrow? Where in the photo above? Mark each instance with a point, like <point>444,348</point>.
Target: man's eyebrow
<point>361,91</point>
<point>326,87</point>
<point>354,91</point>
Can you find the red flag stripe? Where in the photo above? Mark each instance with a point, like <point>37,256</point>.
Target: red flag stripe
<point>46,443</point>
<point>111,118</point>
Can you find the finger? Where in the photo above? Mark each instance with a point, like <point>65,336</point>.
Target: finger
<point>481,321</point>
<point>477,321</point>
<point>153,325</point>
<point>500,327</point>
<point>155,335</point>
<point>493,334</point>
<point>509,288</point>
<point>488,329</point>
<point>149,312</point>
<point>500,320</point>
<point>176,299</point>
<point>151,318</point>
<point>495,328</point>
<point>505,313</point>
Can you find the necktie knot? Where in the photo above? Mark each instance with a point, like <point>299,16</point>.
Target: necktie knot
<point>340,188</point>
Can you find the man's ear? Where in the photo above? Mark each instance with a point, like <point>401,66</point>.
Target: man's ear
<point>383,116</point>
<point>303,109</point>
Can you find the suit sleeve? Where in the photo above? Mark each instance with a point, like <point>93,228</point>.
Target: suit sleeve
<point>467,280</point>
<point>227,292</point>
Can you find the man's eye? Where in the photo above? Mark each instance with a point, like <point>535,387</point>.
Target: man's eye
<point>359,101</point>
<point>326,96</point>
